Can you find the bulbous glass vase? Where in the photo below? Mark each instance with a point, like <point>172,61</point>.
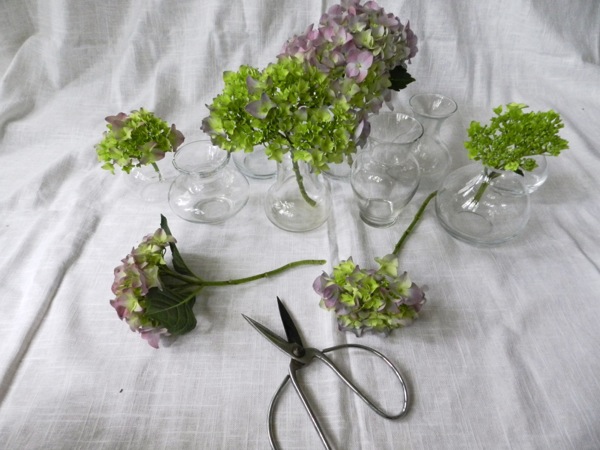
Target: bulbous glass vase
<point>208,189</point>
<point>483,206</point>
<point>300,199</point>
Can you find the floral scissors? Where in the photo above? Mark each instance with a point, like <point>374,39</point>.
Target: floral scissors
<point>301,357</point>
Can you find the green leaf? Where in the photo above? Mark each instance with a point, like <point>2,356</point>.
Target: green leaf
<point>178,263</point>
<point>173,312</point>
<point>400,78</point>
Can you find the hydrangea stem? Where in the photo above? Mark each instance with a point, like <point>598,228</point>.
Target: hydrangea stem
<point>194,280</point>
<point>265,274</point>
<point>299,177</point>
<point>300,181</point>
<point>157,170</point>
<point>413,223</point>
<point>483,187</point>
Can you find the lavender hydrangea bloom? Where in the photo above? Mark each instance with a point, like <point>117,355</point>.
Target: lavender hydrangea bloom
<point>378,300</point>
<point>361,42</point>
<point>137,274</point>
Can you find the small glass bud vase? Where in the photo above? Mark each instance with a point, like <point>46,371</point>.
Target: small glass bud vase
<point>432,153</point>
<point>208,189</point>
<point>300,199</point>
<point>482,206</point>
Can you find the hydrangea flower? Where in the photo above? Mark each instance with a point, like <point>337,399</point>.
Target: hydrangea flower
<point>370,300</point>
<point>359,41</point>
<point>367,300</point>
<point>156,300</point>
<point>314,102</point>
<point>289,107</point>
<point>136,139</point>
<point>134,279</point>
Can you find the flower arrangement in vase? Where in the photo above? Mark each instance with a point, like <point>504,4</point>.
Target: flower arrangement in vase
<point>136,141</point>
<point>487,204</point>
<point>312,104</point>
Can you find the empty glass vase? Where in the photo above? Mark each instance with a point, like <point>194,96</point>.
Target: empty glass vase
<point>384,180</point>
<point>390,126</point>
<point>208,189</point>
<point>431,153</point>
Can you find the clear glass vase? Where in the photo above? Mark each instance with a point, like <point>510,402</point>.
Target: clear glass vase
<point>384,180</point>
<point>482,206</point>
<point>300,199</point>
<point>255,164</point>
<point>394,127</point>
<point>534,179</point>
<point>340,171</point>
<point>208,189</point>
<point>432,153</point>
<point>152,182</point>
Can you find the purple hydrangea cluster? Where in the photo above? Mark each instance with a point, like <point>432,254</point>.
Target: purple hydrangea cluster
<point>360,42</point>
<point>134,278</point>
<point>370,300</point>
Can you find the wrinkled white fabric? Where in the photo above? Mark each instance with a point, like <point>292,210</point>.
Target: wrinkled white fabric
<point>505,353</point>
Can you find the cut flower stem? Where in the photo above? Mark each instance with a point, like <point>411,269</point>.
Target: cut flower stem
<point>194,280</point>
<point>484,186</point>
<point>413,224</point>
<point>300,181</point>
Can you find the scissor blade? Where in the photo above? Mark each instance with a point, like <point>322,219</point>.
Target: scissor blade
<point>292,333</point>
<point>274,339</point>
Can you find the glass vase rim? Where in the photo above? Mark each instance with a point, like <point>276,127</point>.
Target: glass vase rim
<point>441,97</point>
<point>415,132</point>
<point>205,169</point>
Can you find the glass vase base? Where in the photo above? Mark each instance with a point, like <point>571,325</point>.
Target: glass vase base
<point>475,230</point>
<point>378,213</point>
<point>296,216</point>
<point>213,210</point>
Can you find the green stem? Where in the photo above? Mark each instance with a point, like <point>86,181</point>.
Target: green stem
<point>483,187</point>
<point>413,223</point>
<point>193,280</point>
<point>300,181</point>
<point>299,177</point>
<point>266,274</point>
<point>160,177</point>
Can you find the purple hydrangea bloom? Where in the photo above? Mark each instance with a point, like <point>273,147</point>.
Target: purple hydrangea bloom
<point>137,274</point>
<point>370,300</point>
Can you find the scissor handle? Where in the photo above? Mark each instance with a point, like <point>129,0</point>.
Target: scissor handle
<point>321,355</point>
<point>294,366</point>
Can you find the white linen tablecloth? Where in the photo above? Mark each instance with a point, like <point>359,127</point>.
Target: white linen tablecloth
<point>506,353</point>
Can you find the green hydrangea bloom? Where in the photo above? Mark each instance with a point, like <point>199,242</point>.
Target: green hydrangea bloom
<point>290,106</point>
<point>378,300</point>
<point>135,140</point>
<point>513,136</point>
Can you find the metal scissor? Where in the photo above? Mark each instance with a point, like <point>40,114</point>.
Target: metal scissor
<point>301,357</point>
